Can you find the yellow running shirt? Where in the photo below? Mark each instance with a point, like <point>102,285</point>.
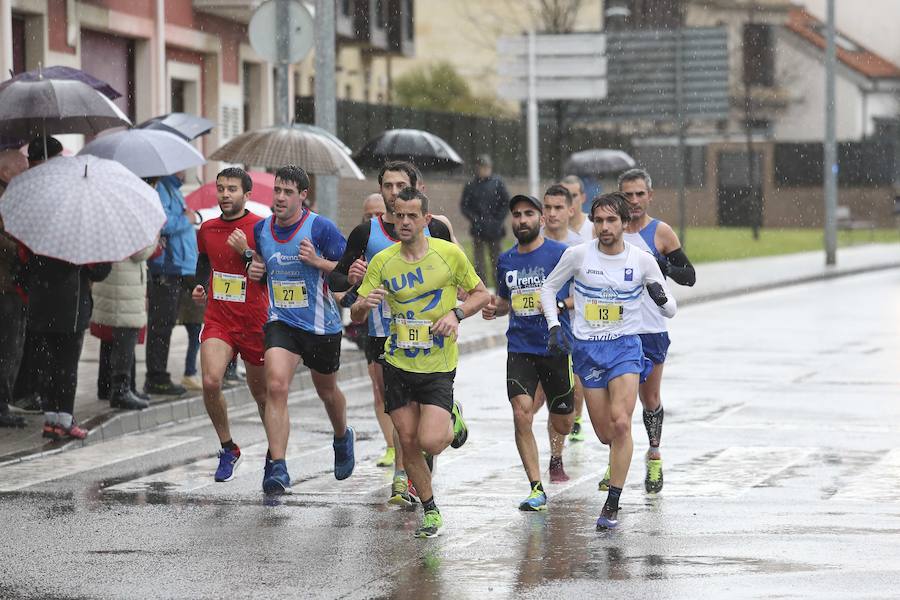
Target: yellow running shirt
<point>420,293</point>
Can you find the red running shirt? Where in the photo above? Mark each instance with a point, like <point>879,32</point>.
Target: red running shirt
<point>234,302</point>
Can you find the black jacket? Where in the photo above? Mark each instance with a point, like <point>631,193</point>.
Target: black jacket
<point>485,203</point>
<point>59,293</point>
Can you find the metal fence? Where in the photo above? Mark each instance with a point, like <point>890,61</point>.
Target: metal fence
<point>503,139</point>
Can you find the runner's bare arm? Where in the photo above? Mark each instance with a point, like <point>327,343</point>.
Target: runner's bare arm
<point>497,307</point>
<point>360,309</point>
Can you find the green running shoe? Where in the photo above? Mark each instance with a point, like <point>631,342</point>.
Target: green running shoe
<point>577,434</point>
<point>603,486</point>
<point>536,501</point>
<point>653,482</point>
<point>431,524</point>
<point>400,495</point>
<point>460,431</point>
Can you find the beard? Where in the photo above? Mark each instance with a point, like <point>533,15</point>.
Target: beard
<point>526,235</point>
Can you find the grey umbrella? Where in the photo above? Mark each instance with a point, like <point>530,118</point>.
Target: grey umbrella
<point>598,161</point>
<point>59,72</point>
<point>423,148</point>
<point>51,106</point>
<point>146,153</point>
<point>324,132</point>
<point>184,125</point>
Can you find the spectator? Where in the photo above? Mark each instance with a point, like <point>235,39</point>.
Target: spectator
<point>36,150</point>
<point>119,314</point>
<point>12,303</point>
<point>190,314</point>
<point>485,203</point>
<point>170,272</point>
<point>59,310</point>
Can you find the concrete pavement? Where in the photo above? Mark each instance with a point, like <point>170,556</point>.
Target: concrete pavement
<point>714,280</point>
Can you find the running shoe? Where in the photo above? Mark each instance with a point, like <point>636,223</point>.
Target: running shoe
<point>653,482</point>
<point>343,455</point>
<point>387,459</point>
<point>400,495</point>
<point>536,501</point>
<point>278,481</point>
<point>577,434</point>
<point>73,432</point>
<point>412,491</point>
<point>191,383</point>
<point>603,486</point>
<point>228,463</point>
<point>267,468</point>
<point>50,432</point>
<point>609,519</point>
<point>557,472</point>
<point>431,525</point>
<point>460,431</point>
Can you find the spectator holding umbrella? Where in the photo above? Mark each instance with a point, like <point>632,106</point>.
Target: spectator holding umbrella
<point>485,203</point>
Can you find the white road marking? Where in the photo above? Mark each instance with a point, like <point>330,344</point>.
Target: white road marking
<point>877,482</point>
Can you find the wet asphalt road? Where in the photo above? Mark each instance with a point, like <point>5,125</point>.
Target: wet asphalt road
<point>781,470</point>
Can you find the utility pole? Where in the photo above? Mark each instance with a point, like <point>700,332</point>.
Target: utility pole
<point>325,102</point>
<point>831,166</point>
<point>534,175</point>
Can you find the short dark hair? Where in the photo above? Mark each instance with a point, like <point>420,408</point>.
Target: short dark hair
<point>403,167</point>
<point>614,200</point>
<point>411,193</point>
<point>634,175</point>
<point>295,175</point>
<point>237,173</point>
<point>558,190</point>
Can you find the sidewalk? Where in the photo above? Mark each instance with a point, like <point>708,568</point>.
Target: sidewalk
<point>714,280</point>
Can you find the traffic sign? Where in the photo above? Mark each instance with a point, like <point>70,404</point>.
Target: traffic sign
<point>282,31</point>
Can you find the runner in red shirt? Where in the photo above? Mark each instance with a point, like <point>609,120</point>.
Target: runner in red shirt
<point>236,307</point>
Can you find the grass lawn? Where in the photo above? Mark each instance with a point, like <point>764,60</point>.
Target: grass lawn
<point>709,244</point>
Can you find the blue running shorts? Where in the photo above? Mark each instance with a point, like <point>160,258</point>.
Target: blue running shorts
<point>656,346</point>
<point>598,362</point>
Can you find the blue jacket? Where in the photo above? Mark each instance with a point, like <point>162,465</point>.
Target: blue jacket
<point>180,254</point>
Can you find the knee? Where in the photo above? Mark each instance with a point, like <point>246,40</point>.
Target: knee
<point>620,426</point>
<point>562,424</point>
<point>522,418</point>
<point>211,383</point>
<point>277,388</point>
<point>407,439</point>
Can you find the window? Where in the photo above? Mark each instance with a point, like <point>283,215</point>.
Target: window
<point>18,46</point>
<point>759,55</point>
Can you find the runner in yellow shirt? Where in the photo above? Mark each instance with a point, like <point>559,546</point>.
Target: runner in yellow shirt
<point>419,277</point>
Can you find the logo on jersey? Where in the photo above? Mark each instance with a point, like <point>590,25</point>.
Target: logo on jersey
<point>435,300</point>
<point>629,274</point>
<point>285,259</point>
<point>526,278</point>
<point>405,280</point>
<point>593,272</point>
<point>595,374</point>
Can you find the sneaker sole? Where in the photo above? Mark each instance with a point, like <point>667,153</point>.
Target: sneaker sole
<point>271,487</point>
<point>426,536</point>
<point>399,500</point>
<point>603,486</point>
<point>233,470</point>
<point>465,430</point>
<point>607,525</point>
<point>528,508</point>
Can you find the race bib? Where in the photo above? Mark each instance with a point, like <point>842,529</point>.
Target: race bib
<point>229,287</point>
<point>413,333</point>
<point>600,314</point>
<point>385,309</point>
<point>526,302</point>
<point>290,294</point>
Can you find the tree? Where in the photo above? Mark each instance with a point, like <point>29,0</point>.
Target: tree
<point>441,87</point>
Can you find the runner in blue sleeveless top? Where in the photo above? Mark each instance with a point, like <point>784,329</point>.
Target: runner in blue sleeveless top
<point>296,250</point>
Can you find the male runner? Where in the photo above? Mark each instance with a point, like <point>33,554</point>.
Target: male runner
<point>373,206</point>
<point>364,242</point>
<point>660,240</point>
<point>610,277</point>
<point>296,250</point>
<point>520,274</point>
<point>579,222</point>
<point>236,309</point>
<point>419,277</point>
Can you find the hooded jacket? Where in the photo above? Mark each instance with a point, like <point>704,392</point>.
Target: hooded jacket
<point>59,294</point>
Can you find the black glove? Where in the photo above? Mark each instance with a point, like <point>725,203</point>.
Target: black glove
<point>349,298</point>
<point>657,293</point>
<point>558,344</point>
<point>663,263</point>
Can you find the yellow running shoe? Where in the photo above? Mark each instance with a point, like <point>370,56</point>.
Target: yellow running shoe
<point>653,482</point>
<point>577,434</point>
<point>387,459</point>
<point>603,486</point>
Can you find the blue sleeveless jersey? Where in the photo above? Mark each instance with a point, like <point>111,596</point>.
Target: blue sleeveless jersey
<point>298,293</point>
<point>380,318</point>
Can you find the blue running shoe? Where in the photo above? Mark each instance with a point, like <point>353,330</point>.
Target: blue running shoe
<point>267,468</point>
<point>228,462</point>
<point>609,519</point>
<point>278,481</point>
<point>343,455</point>
<point>536,501</point>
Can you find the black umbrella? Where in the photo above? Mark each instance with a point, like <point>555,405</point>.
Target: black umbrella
<point>597,162</point>
<point>65,73</point>
<point>184,125</point>
<point>424,149</point>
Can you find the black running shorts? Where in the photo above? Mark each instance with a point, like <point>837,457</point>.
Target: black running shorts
<point>554,373</point>
<point>375,349</point>
<point>321,353</point>
<point>402,387</point>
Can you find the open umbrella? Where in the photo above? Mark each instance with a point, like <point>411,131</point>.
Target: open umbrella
<point>597,162</point>
<point>423,148</point>
<point>205,196</point>
<point>146,153</point>
<point>59,72</point>
<point>183,125</point>
<point>51,106</point>
<point>278,146</point>
<point>325,133</point>
<point>82,210</point>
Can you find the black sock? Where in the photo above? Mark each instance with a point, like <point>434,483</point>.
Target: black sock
<point>555,461</point>
<point>230,446</point>
<point>429,505</point>
<point>537,485</point>
<point>612,499</point>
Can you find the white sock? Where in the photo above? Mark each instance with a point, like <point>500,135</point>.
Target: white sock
<point>51,418</point>
<point>65,420</point>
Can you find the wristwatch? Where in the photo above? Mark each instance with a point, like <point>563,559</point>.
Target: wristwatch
<point>460,314</point>
<point>561,306</point>
<point>248,255</point>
